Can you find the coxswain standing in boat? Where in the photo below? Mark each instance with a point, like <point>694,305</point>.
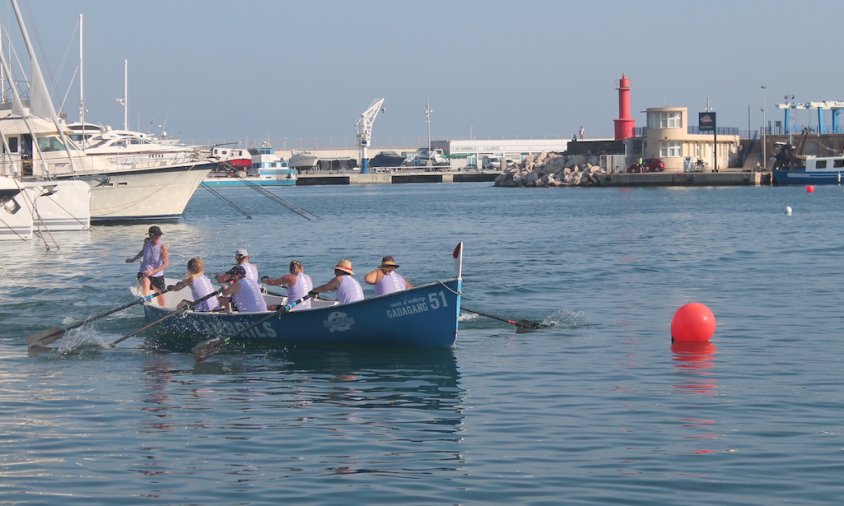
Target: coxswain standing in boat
<point>155,257</point>
<point>200,286</point>
<point>347,288</point>
<point>386,279</point>
<point>244,293</point>
<point>297,283</point>
<point>241,256</point>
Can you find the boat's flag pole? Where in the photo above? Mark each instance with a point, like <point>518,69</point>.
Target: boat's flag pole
<point>458,260</point>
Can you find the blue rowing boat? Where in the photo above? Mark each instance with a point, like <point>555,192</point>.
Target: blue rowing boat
<point>425,316</point>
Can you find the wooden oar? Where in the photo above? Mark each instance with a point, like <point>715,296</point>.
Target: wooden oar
<point>525,324</point>
<point>215,345</point>
<point>56,333</point>
<point>163,319</point>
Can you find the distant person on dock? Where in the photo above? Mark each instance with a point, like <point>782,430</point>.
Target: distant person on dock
<point>155,257</point>
<point>386,279</point>
<point>241,256</point>
<point>347,288</point>
<point>581,133</point>
<point>243,294</point>
<point>200,286</point>
<point>298,284</point>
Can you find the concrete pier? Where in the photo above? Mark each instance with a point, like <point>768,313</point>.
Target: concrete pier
<point>724,178</point>
<point>397,177</point>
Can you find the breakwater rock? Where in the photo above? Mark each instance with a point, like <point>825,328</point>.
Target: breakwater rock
<point>552,169</point>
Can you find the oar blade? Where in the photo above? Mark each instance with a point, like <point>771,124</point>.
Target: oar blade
<point>529,324</point>
<point>205,349</point>
<point>46,337</point>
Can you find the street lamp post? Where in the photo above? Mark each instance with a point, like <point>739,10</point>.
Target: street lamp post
<point>764,127</point>
<point>428,112</point>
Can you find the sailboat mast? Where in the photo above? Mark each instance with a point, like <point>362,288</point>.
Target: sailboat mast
<point>81,74</point>
<point>125,94</point>
<point>2,74</point>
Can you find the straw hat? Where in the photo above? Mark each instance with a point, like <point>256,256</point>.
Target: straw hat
<point>345,265</point>
<point>389,261</point>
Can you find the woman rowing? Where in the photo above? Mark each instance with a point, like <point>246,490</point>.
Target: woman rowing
<point>243,292</point>
<point>298,284</point>
<point>200,286</point>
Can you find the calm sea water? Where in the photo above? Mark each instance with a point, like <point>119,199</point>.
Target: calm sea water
<point>597,409</point>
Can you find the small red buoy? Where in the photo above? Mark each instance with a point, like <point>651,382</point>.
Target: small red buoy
<point>692,323</point>
<point>810,189</point>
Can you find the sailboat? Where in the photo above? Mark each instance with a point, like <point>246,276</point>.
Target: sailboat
<point>124,186</point>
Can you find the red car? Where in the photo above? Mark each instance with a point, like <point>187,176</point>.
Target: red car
<point>647,165</point>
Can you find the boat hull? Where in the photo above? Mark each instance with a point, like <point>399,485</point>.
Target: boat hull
<point>45,206</point>
<point>15,215</point>
<point>247,181</point>
<point>786,177</point>
<point>425,317</point>
<point>302,161</point>
<point>58,206</point>
<point>144,195</point>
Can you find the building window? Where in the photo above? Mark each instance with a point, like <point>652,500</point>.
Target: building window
<point>668,149</point>
<point>665,119</point>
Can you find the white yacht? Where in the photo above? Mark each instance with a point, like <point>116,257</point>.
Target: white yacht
<point>125,185</point>
<point>42,206</point>
<point>147,183</point>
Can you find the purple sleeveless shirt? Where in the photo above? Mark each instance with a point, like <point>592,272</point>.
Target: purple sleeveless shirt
<point>349,290</point>
<point>248,297</point>
<point>390,283</point>
<point>152,257</point>
<point>201,286</point>
<point>297,291</point>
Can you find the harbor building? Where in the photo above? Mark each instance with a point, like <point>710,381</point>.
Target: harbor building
<point>669,137</point>
<point>486,153</point>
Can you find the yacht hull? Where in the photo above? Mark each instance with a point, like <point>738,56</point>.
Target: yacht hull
<point>159,194</point>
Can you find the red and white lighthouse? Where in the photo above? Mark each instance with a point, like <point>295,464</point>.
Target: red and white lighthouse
<point>624,125</point>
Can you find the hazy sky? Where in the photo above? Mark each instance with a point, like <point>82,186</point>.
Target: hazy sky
<point>249,69</point>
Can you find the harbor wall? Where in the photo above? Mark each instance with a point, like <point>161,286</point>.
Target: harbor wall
<point>396,178</point>
<point>736,178</point>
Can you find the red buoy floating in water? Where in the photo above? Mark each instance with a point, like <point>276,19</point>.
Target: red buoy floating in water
<point>693,323</point>
<point>810,189</point>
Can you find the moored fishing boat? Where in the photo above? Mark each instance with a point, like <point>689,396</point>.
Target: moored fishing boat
<point>816,170</point>
<point>239,158</point>
<point>424,316</point>
<point>265,169</point>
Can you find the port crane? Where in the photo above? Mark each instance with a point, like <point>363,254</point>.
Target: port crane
<point>364,127</point>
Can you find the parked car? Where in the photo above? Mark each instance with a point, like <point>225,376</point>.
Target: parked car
<point>494,162</point>
<point>647,165</point>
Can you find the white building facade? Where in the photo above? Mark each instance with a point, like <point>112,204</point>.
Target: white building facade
<point>667,137</point>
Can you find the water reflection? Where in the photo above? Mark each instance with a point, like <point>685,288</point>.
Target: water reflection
<point>694,362</point>
<point>315,410</point>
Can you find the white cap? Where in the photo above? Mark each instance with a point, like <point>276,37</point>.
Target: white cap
<point>241,252</point>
